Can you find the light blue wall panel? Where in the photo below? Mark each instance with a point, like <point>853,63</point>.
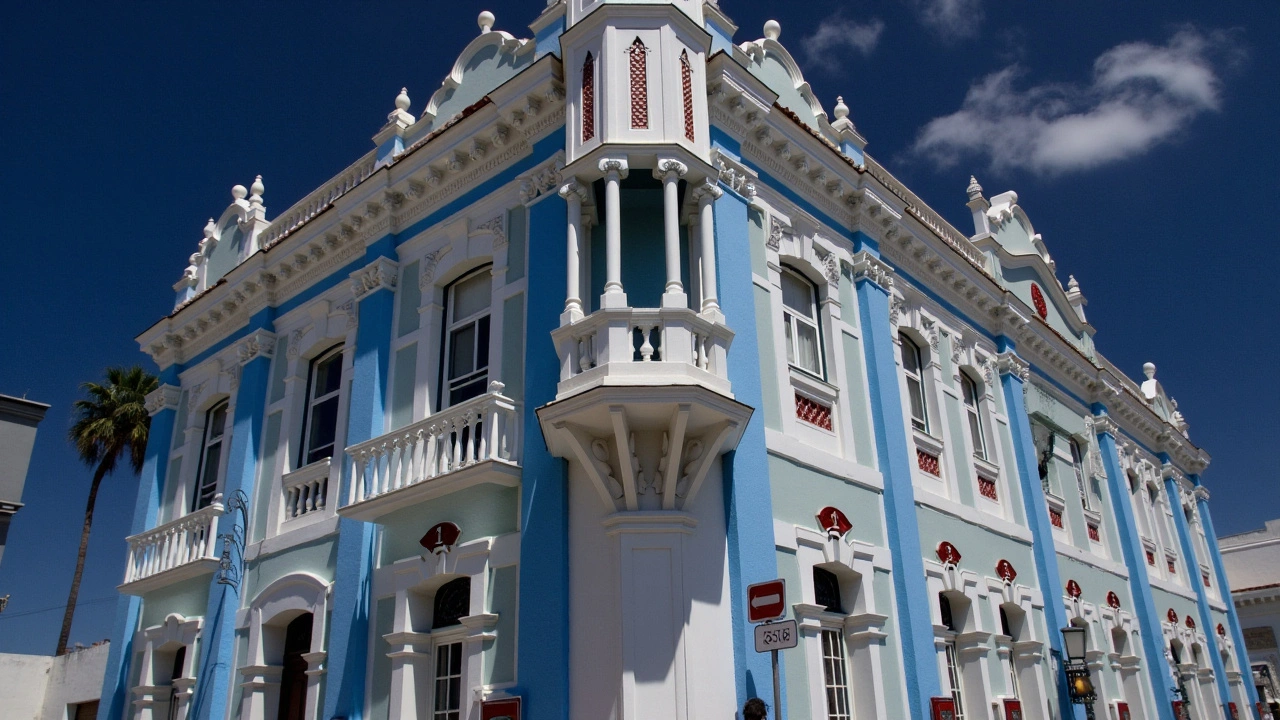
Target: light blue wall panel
<point>799,493</point>
<point>402,390</point>
<point>480,511</point>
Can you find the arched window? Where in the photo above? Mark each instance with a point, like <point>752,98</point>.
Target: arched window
<point>835,674</point>
<point>639,85</point>
<point>466,345</point>
<point>800,321</point>
<point>953,680</point>
<point>969,388</point>
<point>588,98</point>
<point>179,660</point>
<point>686,85</point>
<point>324,385</point>
<point>207,475</point>
<point>293,678</point>
<point>1077,464</point>
<point>452,603</point>
<point>913,368</point>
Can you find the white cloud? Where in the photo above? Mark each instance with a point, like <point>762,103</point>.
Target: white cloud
<point>836,33</point>
<point>950,19</point>
<point>1140,95</point>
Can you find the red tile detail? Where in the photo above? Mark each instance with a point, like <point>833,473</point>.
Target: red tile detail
<point>1037,297</point>
<point>928,463</point>
<point>812,412</point>
<point>1094,535</point>
<point>639,85</point>
<point>1055,518</point>
<point>1151,558</point>
<point>987,488</point>
<point>589,98</point>
<point>686,81</point>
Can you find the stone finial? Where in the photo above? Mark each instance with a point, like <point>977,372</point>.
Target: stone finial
<point>257,189</point>
<point>772,29</point>
<point>238,192</point>
<point>1072,285</point>
<point>402,100</point>
<point>841,110</point>
<point>210,229</point>
<point>485,21</point>
<point>1149,369</point>
<point>974,190</point>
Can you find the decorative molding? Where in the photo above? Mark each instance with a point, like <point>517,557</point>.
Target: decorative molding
<point>708,190</point>
<point>349,307</point>
<point>667,166</point>
<point>259,343</point>
<point>427,266</point>
<point>614,165</point>
<point>541,180</point>
<point>573,187</point>
<point>381,274</point>
<point>738,177</point>
<point>163,398</point>
<point>868,267</point>
<point>1201,493</point>
<point>777,229</point>
<point>1010,364</point>
<point>495,226</point>
<point>1104,424</point>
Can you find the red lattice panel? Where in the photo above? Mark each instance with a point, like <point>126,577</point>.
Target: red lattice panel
<point>1055,518</point>
<point>639,86</point>
<point>1173,568</point>
<point>987,488</point>
<point>1151,558</point>
<point>928,463</point>
<point>1205,578</point>
<point>686,81</point>
<point>589,98</point>
<point>812,412</point>
<point>1094,535</point>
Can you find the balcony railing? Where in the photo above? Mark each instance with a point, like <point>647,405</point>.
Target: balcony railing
<point>188,544</point>
<point>642,346</point>
<point>482,430</point>
<point>305,491</point>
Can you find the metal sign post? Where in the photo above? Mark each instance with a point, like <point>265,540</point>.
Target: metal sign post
<point>766,603</point>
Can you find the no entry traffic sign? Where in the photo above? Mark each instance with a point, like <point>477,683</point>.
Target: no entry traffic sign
<point>766,601</point>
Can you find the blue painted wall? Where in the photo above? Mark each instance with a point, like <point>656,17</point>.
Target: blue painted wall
<point>542,664</point>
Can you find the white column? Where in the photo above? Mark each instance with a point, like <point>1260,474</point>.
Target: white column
<point>572,193</point>
<point>669,172</point>
<point>614,170</point>
<point>707,195</point>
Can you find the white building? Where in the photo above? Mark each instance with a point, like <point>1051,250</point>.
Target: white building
<point>1252,560</point>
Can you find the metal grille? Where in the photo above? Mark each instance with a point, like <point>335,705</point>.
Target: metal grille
<point>686,81</point>
<point>589,98</point>
<point>833,668</point>
<point>639,85</point>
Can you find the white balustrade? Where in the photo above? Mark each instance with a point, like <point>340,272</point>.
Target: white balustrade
<point>479,430</point>
<point>305,490</point>
<point>662,342</point>
<point>186,540</point>
<point>926,215</point>
<point>318,201</point>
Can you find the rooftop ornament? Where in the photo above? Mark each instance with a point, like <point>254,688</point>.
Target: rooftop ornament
<point>485,21</point>
<point>772,29</point>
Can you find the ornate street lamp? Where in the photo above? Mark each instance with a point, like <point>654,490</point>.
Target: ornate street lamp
<point>1079,683</point>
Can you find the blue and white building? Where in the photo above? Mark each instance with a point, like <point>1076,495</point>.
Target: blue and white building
<point>621,322</point>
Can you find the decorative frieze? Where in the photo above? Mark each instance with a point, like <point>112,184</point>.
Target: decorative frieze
<point>541,180</point>
<point>163,398</point>
<point>259,343</point>
<point>381,274</point>
<point>1010,364</point>
<point>872,269</point>
<point>427,267</point>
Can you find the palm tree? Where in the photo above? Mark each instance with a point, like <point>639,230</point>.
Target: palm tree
<point>109,423</point>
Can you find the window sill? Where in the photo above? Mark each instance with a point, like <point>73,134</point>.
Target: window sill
<point>986,468</point>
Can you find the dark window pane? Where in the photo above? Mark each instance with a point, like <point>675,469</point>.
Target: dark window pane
<point>324,427</point>
<point>328,377</point>
<point>826,590</point>
<point>462,351</point>
<point>482,343</point>
<point>217,421</point>
<point>452,602</point>
<point>468,390</point>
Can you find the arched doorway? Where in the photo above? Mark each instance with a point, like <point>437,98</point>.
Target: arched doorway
<point>293,679</point>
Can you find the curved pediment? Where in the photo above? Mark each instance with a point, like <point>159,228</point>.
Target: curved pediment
<point>773,64</point>
<point>485,63</point>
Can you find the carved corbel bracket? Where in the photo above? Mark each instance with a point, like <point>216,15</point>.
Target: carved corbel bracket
<point>381,274</point>
<point>163,398</point>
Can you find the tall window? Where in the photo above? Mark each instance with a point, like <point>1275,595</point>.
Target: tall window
<point>179,659</point>
<point>800,321</point>
<point>639,85</point>
<point>1077,464</point>
<point>1007,629</point>
<point>321,414</point>
<point>826,592</point>
<point>452,603</point>
<point>293,678</point>
<point>588,98</point>
<point>953,662</point>
<point>914,371</point>
<point>215,426</point>
<point>466,364</point>
<point>970,390</point>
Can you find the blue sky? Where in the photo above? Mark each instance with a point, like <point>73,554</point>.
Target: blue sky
<point>1138,137</point>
